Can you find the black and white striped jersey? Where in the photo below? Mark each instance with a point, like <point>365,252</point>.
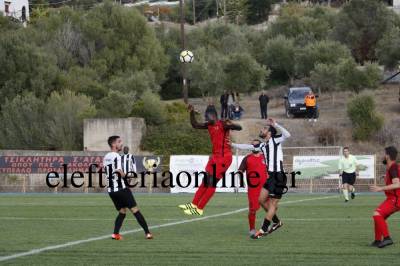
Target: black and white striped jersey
<point>272,150</point>
<point>112,163</point>
<point>128,163</point>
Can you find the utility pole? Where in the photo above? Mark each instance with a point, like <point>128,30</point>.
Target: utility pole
<point>194,11</point>
<point>216,2</point>
<point>225,17</point>
<point>183,46</point>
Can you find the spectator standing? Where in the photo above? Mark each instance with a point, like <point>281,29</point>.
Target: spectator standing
<point>224,105</point>
<point>231,102</point>
<point>264,100</point>
<point>311,105</point>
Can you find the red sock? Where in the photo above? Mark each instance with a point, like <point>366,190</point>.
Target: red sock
<point>206,197</point>
<point>252,220</point>
<point>199,194</point>
<point>382,225</point>
<point>378,233</point>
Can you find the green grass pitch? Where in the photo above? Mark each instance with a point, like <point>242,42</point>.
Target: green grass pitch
<point>318,230</point>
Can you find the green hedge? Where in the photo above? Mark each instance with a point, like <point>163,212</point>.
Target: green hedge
<point>366,121</point>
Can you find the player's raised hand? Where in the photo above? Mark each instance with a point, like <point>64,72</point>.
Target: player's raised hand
<point>271,122</point>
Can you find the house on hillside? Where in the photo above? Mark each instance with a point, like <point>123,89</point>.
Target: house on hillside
<point>17,9</point>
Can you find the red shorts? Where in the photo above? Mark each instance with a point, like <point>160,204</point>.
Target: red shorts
<point>221,165</point>
<point>253,193</point>
<point>388,207</point>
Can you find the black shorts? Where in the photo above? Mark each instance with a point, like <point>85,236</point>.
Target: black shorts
<point>348,178</point>
<point>276,184</point>
<point>123,199</point>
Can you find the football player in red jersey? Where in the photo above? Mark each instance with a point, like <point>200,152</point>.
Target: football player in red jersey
<point>219,161</point>
<point>392,202</point>
<point>256,175</point>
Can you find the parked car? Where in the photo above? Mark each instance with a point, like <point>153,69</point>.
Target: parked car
<point>294,101</point>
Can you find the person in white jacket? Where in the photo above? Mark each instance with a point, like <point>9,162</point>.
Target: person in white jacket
<point>275,186</point>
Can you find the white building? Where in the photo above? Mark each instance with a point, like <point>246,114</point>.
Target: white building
<point>18,9</point>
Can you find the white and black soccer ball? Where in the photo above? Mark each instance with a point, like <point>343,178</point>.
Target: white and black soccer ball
<point>186,56</point>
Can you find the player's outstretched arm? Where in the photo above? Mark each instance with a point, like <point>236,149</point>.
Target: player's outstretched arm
<point>394,185</point>
<point>193,120</point>
<point>242,146</point>
<point>229,125</point>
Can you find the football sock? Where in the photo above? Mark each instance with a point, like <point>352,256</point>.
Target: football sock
<point>346,194</point>
<point>382,225</point>
<point>252,220</point>
<point>118,222</point>
<point>199,194</point>
<point>378,234</point>
<point>275,219</point>
<point>140,219</point>
<point>353,190</point>
<point>206,197</point>
<point>265,225</point>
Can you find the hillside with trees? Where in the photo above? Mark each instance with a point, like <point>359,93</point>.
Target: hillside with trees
<point>92,59</point>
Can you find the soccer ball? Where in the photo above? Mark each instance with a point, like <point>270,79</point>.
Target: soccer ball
<point>186,56</point>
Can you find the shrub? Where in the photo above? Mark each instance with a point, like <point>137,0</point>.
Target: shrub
<point>328,136</point>
<point>366,121</point>
<point>150,108</point>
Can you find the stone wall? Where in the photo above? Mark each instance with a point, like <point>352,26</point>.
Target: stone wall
<point>96,131</point>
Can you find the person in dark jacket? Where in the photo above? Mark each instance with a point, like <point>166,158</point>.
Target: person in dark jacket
<point>264,100</point>
<point>224,105</point>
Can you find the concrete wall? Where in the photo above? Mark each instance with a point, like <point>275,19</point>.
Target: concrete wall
<point>97,131</point>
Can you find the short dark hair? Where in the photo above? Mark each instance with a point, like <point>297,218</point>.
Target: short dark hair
<point>111,140</point>
<point>346,148</point>
<point>391,151</point>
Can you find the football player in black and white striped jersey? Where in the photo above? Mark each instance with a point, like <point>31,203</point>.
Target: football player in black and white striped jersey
<point>119,193</point>
<point>128,162</point>
<point>275,186</point>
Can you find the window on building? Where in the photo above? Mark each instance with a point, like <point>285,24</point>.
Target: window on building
<point>7,7</point>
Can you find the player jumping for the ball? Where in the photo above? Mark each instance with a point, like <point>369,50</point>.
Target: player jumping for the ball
<point>218,163</point>
<point>256,175</point>
<point>275,186</point>
<point>392,202</point>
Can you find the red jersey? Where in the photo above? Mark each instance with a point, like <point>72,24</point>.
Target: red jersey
<point>392,172</point>
<point>254,165</point>
<point>220,139</point>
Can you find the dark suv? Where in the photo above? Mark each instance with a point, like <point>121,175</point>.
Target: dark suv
<point>294,101</point>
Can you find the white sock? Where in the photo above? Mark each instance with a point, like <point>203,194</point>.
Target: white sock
<point>346,194</point>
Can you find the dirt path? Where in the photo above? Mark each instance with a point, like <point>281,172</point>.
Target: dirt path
<point>333,116</point>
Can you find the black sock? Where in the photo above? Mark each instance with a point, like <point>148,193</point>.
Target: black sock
<point>265,225</point>
<point>118,222</point>
<point>139,217</point>
<point>275,219</point>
